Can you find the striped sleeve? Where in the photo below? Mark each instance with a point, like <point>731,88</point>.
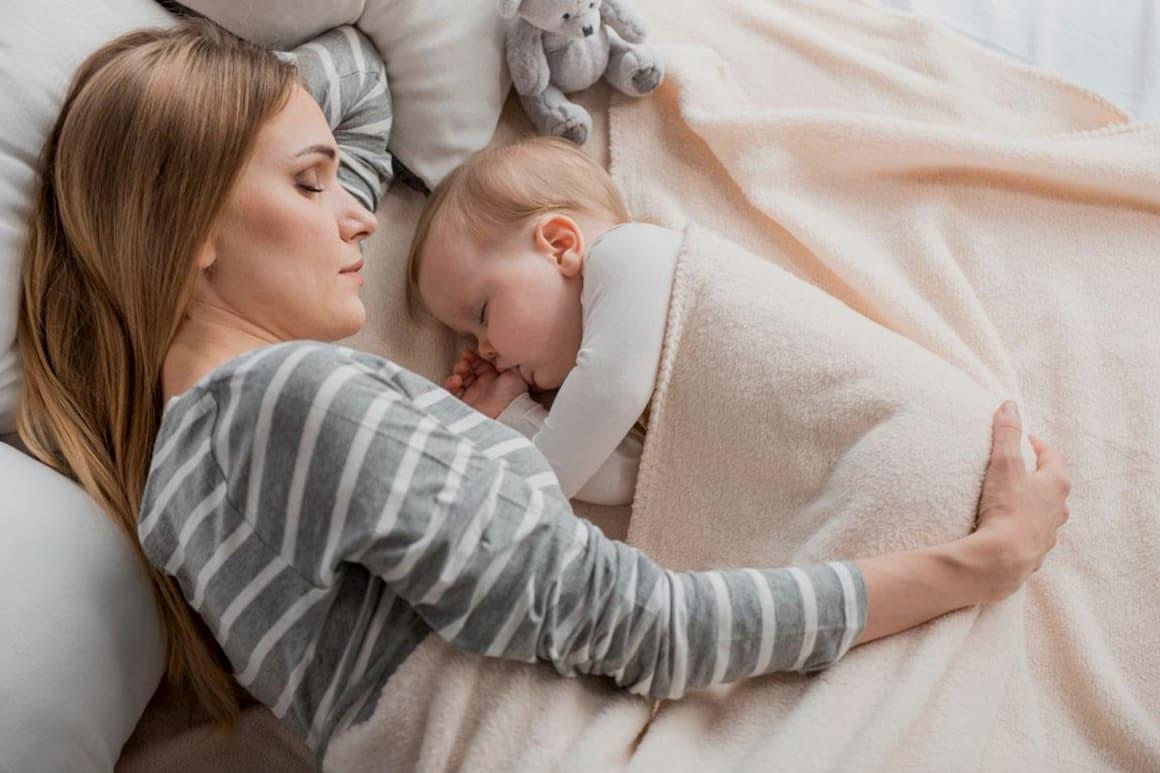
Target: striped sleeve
<point>341,466</point>
<point>347,78</point>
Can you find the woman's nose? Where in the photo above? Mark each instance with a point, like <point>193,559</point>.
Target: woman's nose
<point>357,223</point>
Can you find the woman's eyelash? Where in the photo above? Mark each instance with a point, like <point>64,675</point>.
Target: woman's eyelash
<point>312,189</point>
<point>482,311</point>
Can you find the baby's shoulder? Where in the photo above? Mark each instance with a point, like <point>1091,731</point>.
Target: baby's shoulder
<point>635,238</point>
<point>630,253</point>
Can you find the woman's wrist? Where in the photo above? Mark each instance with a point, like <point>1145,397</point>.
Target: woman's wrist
<point>909,588</point>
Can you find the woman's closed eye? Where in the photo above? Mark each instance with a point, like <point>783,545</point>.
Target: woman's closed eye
<point>310,185</point>
<point>483,315</point>
<point>311,180</point>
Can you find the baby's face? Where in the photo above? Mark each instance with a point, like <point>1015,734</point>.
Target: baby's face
<point>520,299</point>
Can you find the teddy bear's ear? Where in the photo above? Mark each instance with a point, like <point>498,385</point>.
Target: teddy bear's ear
<point>509,8</point>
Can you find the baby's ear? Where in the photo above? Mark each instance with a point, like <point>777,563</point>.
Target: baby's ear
<point>563,239</point>
<point>509,8</point>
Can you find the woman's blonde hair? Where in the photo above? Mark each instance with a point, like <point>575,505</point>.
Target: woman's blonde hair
<point>499,188</point>
<point>156,127</point>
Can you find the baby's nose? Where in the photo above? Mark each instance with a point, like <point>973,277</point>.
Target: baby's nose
<point>588,30</point>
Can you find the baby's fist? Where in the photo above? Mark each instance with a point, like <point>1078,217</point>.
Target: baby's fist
<point>476,382</point>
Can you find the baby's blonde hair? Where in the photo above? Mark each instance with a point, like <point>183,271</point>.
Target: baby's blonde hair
<point>499,188</point>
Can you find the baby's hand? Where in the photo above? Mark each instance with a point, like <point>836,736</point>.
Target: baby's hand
<point>476,382</point>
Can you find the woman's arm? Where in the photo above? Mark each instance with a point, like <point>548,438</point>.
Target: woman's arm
<point>424,493</point>
<point>464,520</point>
<point>346,77</point>
<point>1019,514</point>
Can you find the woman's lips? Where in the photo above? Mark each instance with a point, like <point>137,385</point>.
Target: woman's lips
<point>353,271</point>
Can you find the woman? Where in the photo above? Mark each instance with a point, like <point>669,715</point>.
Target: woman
<point>310,513</point>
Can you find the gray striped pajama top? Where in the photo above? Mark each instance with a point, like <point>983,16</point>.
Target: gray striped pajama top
<point>324,510</point>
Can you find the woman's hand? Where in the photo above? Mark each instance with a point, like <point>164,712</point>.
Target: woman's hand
<point>1019,511</point>
<point>1018,515</point>
<point>476,382</point>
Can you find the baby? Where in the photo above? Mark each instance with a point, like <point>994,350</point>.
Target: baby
<point>529,249</point>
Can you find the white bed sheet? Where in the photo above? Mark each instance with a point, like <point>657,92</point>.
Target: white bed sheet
<point>1109,46</point>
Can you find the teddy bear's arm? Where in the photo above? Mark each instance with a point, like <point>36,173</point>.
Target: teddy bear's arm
<point>526,59</point>
<point>618,15</point>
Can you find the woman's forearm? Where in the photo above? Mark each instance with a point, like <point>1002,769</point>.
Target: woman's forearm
<point>907,589</point>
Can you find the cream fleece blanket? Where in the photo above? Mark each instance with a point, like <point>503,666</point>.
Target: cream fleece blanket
<point>969,230</point>
<point>982,250</point>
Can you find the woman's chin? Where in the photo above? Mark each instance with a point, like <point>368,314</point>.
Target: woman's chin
<point>349,321</point>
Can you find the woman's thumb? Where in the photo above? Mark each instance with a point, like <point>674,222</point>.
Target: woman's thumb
<point>1007,432</point>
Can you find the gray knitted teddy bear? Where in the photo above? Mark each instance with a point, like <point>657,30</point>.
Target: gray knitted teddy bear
<point>561,46</point>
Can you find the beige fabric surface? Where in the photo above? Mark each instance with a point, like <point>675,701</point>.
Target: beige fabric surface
<point>971,230</point>
<point>982,231</point>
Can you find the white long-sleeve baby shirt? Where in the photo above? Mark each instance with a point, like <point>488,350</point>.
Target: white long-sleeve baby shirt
<point>587,435</point>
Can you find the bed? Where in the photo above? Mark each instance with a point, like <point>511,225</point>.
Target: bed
<point>1110,48</point>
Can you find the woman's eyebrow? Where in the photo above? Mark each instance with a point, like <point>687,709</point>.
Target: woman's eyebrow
<point>326,150</point>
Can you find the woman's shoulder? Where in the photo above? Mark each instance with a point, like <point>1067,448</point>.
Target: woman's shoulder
<point>284,376</point>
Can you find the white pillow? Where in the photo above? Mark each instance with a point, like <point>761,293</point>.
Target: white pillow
<point>80,635</point>
<point>445,64</point>
<point>82,642</point>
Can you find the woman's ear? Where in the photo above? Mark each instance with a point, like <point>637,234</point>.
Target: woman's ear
<point>206,255</point>
<point>560,236</point>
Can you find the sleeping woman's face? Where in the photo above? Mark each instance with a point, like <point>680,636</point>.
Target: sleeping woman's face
<point>286,257</point>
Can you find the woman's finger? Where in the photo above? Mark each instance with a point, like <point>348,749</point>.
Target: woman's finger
<point>1051,461</point>
<point>1046,455</point>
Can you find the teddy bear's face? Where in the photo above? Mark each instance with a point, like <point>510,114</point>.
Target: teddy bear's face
<point>571,18</point>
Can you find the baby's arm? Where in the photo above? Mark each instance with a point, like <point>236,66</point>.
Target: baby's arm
<point>614,483</point>
<point>627,283</point>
